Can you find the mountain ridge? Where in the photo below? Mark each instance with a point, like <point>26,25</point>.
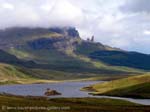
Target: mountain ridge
<point>27,43</point>
<point>57,49</point>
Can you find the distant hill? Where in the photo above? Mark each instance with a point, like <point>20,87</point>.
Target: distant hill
<point>123,58</point>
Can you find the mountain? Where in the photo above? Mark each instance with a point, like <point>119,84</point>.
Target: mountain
<point>134,86</point>
<point>123,58</point>
<point>15,37</point>
<point>114,56</point>
<point>61,51</point>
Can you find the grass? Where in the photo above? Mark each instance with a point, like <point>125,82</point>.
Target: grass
<point>70,63</point>
<point>10,74</point>
<point>68,104</point>
<point>137,91</point>
<point>56,66</point>
<point>59,67</point>
<point>134,86</point>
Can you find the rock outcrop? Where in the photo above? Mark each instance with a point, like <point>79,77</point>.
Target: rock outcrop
<point>51,92</point>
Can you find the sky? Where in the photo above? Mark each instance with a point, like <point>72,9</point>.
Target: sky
<point>118,23</point>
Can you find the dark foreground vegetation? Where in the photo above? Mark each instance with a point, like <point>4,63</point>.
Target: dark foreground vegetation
<point>10,103</point>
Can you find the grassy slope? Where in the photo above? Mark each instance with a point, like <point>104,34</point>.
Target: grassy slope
<point>113,56</point>
<point>120,58</point>
<point>63,67</point>
<point>70,63</point>
<point>84,49</point>
<point>135,86</point>
<point>72,104</point>
<point>10,74</point>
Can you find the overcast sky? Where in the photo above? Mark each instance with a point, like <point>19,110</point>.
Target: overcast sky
<point>118,23</point>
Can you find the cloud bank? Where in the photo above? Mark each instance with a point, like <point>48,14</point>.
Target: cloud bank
<point>118,23</point>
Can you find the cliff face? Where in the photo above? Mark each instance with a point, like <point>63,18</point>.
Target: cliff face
<point>60,44</point>
<point>19,32</point>
<point>38,38</point>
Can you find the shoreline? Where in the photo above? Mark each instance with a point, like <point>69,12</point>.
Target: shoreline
<point>26,82</point>
<point>132,99</point>
<point>43,81</point>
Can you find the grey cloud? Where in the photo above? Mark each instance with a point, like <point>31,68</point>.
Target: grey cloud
<point>33,13</point>
<point>105,19</point>
<point>136,6</point>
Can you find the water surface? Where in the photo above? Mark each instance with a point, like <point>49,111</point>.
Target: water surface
<point>68,89</point>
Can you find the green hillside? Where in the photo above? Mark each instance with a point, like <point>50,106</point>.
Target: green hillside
<point>135,86</point>
<point>86,48</point>
<point>57,54</point>
<point>47,67</point>
<point>53,59</point>
<point>10,74</point>
<point>122,58</point>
